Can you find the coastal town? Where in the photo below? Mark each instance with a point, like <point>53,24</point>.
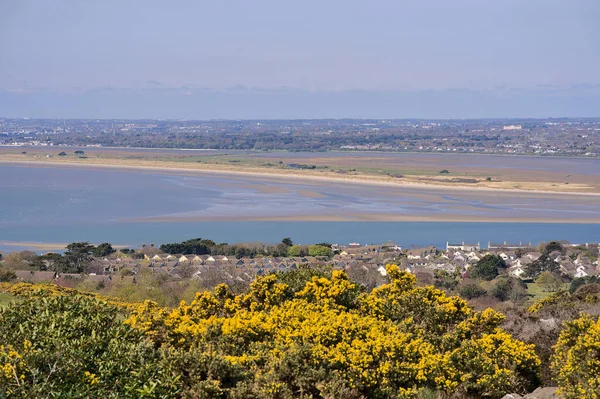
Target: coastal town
<point>365,263</point>
<point>550,137</point>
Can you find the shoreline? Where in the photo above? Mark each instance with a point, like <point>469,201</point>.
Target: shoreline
<point>293,175</point>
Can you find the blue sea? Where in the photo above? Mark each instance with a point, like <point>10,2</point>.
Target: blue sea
<point>62,205</point>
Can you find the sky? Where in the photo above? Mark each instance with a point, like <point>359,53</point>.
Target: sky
<point>276,59</point>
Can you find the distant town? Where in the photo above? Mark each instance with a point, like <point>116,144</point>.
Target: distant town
<point>560,137</point>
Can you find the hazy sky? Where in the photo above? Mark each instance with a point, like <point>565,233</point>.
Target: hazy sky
<point>322,45</point>
<point>71,47</point>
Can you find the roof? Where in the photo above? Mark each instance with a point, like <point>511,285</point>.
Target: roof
<point>43,276</point>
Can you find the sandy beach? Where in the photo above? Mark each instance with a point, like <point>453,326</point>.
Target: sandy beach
<point>34,246</point>
<point>309,176</point>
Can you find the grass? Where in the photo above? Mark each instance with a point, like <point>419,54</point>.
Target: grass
<point>537,291</point>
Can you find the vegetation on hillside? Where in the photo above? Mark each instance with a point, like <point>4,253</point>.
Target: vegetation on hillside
<point>292,335</point>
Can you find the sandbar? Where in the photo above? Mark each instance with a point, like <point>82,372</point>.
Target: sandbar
<point>309,176</point>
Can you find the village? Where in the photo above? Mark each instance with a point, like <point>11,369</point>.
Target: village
<point>365,263</point>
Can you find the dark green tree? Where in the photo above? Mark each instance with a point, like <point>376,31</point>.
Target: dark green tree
<point>287,241</point>
<point>507,288</point>
<point>471,291</point>
<point>78,256</point>
<point>486,268</point>
<point>552,246</point>
<point>52,261</point>
<point>103,249</point>
<point>542,264</point>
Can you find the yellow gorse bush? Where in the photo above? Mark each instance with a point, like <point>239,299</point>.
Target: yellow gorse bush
<point>576,360</point>
<point>30,290</point>
<point>391,342</point>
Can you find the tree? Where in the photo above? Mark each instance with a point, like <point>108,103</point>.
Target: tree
<point>508,288</point>
<point>552,246</point>
<point>446,280</point>
<point>542,264</point>
<point>20,260</point>
<point>78,256</point>
<point>319,250</point>
<point>54,262</point>
<point>294,251</point>
<point>6,275</point>
<point>471,291</point>
<point>103,249</point>
<point>581,281</point>
<point>287,241</point>
<point>195,246</point>
<point>549,281</point>
<point>62,154</point>
<point>486,268</point>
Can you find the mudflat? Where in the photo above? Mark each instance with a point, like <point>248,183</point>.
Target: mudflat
<point>464,172</point>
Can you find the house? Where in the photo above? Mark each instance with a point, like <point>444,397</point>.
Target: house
<point>150,250</point>
<point>508,255</point>
<point>516,271</point>
<point>507,246</point>
<point>100,280</point>
<point>524,261</point>
<point>24,275</point>
<point>567,267</point>
<point>354,245</point>
<point>70,280</point>
<point>183,259</point>
<point>458,258</point>
<point>533,255</point>
<point>39,277</point>
<point>463,247</point>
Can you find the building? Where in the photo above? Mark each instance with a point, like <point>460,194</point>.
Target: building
<point>463,247</point>
<point>507,246</point>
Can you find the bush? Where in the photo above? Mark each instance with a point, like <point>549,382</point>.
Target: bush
<point>577,358</point>
<point>299,336</point>
<point>471,291</point>
<point>76,346</point>
<point>507,288</point>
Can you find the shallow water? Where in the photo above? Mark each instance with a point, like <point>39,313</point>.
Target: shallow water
<point>62,204</point>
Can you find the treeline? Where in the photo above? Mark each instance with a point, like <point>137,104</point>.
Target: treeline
<point>300,139</point>
<point>200,246</point>
<point>75,259</point>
